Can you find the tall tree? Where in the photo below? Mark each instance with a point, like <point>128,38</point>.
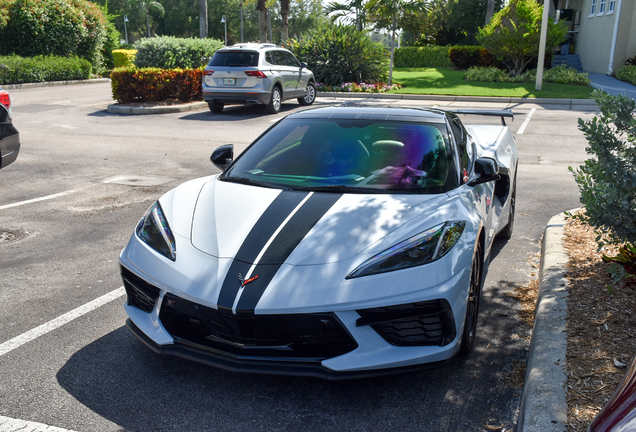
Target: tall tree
<point>351,11</point>
<point>383,11</point>
<point>203,19</point>
<point>261,7</point>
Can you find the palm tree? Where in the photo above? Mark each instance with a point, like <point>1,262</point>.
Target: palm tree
<point>343,10</point>
<point>389,10</point>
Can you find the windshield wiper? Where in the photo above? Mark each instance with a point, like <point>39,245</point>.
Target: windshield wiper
<point>251,182</point>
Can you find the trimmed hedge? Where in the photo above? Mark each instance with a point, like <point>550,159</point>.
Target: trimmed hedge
<point>429,56</point>
<point>627,73</point>
<point>156,85</point>
<point>168,52</point>
<point>124,57</point>
<point>17,70</point>
<point>465,57</point>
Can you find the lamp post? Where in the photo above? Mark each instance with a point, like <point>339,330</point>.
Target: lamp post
<point>126,29</point>
<point>223,21</point>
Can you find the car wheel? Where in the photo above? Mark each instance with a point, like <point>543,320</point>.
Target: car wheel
<point>274,102</point>
<point>472,309</point>
<point>310,96</point>
<point>507,231</point>
<point>216,107</point>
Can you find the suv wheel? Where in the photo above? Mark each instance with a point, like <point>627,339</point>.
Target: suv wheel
<point>274,102</point>
<point>310,96</point>
<point>216,107</point>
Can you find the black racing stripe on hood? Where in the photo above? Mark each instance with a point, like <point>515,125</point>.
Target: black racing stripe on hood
<point>283,245</point>
<point>263,230</point>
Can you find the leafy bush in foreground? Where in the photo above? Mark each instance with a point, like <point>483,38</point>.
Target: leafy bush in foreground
<point>168,52</point>
<point>337,54</point>
<point>155,84</point>
<point>18,70</point>
<point>627,73</point>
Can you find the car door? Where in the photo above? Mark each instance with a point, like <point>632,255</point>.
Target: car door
<point>9,138</point>
<point>288,72</point>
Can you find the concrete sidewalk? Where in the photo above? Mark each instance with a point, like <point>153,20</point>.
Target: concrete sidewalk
<point>612,85</point>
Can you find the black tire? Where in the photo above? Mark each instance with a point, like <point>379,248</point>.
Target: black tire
<point>309,97</point>
<point>472,309</point>
<point>216,107</point>
<point>506,233</point>
<point>274,102</point>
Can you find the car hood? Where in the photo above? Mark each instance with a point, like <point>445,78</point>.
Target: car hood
<point>273,226</point>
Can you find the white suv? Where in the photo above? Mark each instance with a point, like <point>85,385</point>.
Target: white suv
<point>263,74</point>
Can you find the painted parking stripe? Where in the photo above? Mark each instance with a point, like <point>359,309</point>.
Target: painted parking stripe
<point>45,328</point>
<point>526,121</point>
<point>34,200</point>
<point>8,424</point>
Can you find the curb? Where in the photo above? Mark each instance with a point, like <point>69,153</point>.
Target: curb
<point>543,404</point>
<point>53,83</point>
<point>130,110</point>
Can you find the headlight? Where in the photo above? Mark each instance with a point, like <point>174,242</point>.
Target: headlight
<point>423,248</point>
<point>153,229</point>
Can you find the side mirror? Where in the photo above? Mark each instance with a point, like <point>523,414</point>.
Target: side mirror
<point>486,170</point>
<point>223,156</point>
<point>303,65</point>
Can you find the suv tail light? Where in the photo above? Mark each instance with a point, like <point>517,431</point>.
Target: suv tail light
<point>5,99</point>
<point>208,72</point>
<point>257,74</point>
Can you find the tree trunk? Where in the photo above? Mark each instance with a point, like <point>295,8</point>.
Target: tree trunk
<point>241,17</point>
<point>203,19</point>
<point>284,14</point>
<point>490,10</point>
<point>262,20</point>
<point>147,22</point>
<point>393,28</point>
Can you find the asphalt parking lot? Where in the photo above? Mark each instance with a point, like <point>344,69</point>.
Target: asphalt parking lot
<point>70,202</point>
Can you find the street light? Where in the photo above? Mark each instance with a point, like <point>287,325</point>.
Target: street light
<point>224,22</point>
<point>125,29</point>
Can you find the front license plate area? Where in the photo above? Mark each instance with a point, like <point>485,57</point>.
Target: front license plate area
<point>229,81</point>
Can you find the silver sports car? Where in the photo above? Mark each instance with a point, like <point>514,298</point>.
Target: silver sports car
<point>344,242</point>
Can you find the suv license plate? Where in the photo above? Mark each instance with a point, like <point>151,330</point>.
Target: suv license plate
<point>229,81</point>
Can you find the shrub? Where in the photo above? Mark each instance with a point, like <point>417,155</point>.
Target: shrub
<point>53,27</point>
<point>168,52</point>
<point>341,53</point>
<point>155,84</point>
<point>357,87</point>
<point>124,57</point>
<point>18,70</point>
<point>429,56</point>
<point>564,75</point>
<point>607,181</point>
<point>492,74</point>
<point>465,57</point>
<point>627,73</point>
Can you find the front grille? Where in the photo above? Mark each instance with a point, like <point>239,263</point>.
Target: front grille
<point>309,336</point>
<point>140,293</point>
<point>428,323</point>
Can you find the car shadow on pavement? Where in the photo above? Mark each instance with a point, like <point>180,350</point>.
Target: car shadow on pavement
<point>240,112</point>
<point>124,382</point>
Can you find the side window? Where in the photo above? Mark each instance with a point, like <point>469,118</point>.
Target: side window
<point>291,60</point>
<point>463,147</point>
<point>269,57</point>
<point>278,57</point>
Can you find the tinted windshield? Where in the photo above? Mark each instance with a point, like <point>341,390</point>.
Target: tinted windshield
<point>363,156</point>
<point>234,58</point>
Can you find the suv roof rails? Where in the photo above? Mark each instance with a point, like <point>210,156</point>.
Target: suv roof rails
<point>251,45</point>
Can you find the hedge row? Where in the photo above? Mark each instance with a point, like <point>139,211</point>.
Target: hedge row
<point>168,52</point>
<point>17,70</point>
<point>124,57</point>
<point>559,74</point>
<point>627,73</point>
<point>155,84</point>
<point>465,57</point>
<point>429,56</point>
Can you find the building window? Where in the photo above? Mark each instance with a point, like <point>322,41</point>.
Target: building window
<point>612,5</point>
<point>601,7</point>
<point>593,10</point>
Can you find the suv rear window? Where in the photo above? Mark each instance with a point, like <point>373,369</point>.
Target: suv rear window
<point>234,59</point>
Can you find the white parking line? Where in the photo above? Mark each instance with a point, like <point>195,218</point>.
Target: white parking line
<point>45,328</point>
<point>13,425</point>
<point>44,198</point>
<point>526,121</point>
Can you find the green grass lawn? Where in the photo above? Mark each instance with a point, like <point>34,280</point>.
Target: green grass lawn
<point>445,81</point>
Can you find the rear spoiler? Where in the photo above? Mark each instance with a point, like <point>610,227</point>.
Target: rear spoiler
<point>498,113</point>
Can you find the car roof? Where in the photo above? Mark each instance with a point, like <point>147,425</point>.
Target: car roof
<point>382,113</point>
<point>250,46</point>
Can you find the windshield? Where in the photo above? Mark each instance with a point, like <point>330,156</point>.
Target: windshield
<point>364,156</point>
<point>234,58</point>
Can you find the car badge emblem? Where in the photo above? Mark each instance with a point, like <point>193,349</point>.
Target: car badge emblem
<point>229,73</point>
<point>244,281</point>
